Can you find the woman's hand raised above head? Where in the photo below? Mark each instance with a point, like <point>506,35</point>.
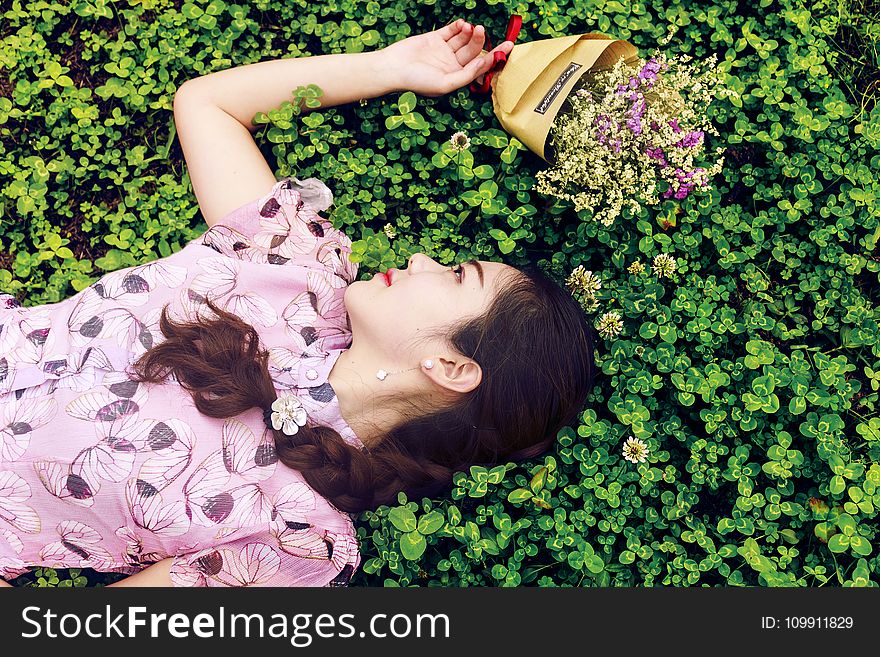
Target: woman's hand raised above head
<point>438,62</point>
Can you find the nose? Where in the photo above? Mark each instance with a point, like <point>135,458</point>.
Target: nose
<point>419,261</point>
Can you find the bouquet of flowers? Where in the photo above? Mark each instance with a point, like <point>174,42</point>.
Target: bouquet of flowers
<point>612,126</point>
<point>624,131</point>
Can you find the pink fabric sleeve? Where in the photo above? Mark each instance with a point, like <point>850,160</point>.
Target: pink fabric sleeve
<point>284,227</point>
<point>255,560</point>
<point>292,194</point>
<point>245,219</point>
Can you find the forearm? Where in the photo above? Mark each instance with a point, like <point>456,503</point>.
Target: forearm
<point>242,91</point>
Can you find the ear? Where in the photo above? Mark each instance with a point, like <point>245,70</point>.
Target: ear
<point>462,375</point>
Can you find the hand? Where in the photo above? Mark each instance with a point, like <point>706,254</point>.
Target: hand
<point>438,62</point>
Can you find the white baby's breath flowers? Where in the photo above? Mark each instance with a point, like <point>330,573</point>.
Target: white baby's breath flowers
<point>610,324</point>
<point>389,231</point>
<point>664,265</point>
<point>670,32</point>
<point>460,141</point>
<point>635,451</point>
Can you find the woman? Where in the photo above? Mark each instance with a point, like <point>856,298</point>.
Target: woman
<point>213,418</point>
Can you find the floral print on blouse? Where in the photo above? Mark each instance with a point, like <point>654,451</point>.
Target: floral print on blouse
<point>99,471</point>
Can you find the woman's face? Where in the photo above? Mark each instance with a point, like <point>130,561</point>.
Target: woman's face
<point>424,296</point>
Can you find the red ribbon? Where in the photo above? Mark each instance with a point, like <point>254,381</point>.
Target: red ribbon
<point>500,56</point>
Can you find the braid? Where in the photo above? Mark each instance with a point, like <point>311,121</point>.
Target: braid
<point>419,476</point>
<point>339,471</point>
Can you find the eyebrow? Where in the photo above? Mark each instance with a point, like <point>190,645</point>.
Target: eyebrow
<point>476,263</point>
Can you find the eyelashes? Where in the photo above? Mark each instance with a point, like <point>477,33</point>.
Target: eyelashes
<point>458,271</point>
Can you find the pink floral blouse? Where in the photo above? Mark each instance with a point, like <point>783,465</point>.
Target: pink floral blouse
<point>99,471</point>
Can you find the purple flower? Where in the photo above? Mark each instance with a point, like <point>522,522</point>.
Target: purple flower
<point>686,185</point>
<point>649,71</point>
<point>690,140</point>
<point>679,194</point>
<point>638,109</point>
<point>656,153</point>
<point>604,123</point>
<point>635,125</point>
<point>674,124</point>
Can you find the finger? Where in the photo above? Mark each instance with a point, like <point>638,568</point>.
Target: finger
<point>449,31</point>
<point>474,69</point>
<point>473,46</point>
<point>461,40</point>
<point>505,46</point>
<point>487,60</point>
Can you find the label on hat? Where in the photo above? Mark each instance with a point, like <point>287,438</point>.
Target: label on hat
<point>556,88</point>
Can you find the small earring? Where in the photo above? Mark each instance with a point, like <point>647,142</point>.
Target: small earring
<point>429,363</point>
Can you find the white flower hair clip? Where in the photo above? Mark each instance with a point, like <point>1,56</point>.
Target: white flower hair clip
<point>286,414</point>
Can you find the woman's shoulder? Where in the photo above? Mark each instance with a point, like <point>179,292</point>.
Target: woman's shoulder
<point>285,227</point>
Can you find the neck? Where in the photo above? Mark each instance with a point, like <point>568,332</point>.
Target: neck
<point>357,390</point>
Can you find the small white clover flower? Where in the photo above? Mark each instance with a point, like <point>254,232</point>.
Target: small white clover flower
<point>288,414</point>
<point>460,141</point>
<point>389,231</point>
<point>635,451</point>
<point>590,304</point>
<point>610,324</point>
<point>584,280</point>
<point>636,268</point>
<point>664,265</point>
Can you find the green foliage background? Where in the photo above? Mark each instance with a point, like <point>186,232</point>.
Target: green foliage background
<point>752,374</point>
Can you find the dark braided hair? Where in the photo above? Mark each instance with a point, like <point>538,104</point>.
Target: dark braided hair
<point>535,348</point>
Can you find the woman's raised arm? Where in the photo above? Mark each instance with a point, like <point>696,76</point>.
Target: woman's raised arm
<point>432,63</point>
<point>213,112</point>
<point>213,116</point>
